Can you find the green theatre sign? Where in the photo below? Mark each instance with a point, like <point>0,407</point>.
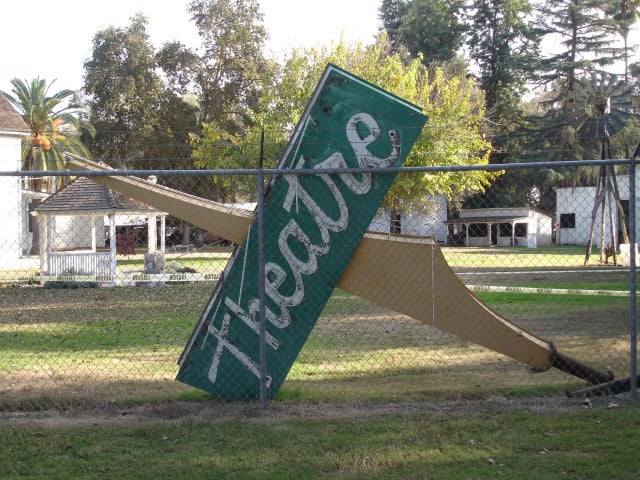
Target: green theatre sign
<point>312,226</point>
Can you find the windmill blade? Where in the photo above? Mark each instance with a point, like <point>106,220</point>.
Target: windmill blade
<point>600,106</point>
<point>622,101</point>
<point>614,125</point>
<point>609,83</point>
<point>618,119</point>
<point>618,90</point>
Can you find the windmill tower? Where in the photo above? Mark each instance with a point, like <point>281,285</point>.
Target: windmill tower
<point>598,108</point>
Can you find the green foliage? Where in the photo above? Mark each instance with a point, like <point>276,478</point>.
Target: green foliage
<point>625,140</point>
<point>143,123</point>
<point>580,28</point>
<point>55,126</point>
<point>584,33</point>
<point>504,46</point>
<point>391,13</point>
<point>453,106</point>
<point>226,73</point>
<point>432,29</point>
<point>218,149</point>
<point>621,16</point>
<point>228,85</point>
<point>125,91</point>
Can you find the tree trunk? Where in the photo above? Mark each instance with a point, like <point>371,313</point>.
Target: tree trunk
<point>186,235</point>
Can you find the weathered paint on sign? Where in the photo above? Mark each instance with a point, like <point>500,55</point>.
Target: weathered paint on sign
<point>313,224</point>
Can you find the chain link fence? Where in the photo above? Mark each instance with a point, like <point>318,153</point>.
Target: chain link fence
<point>104,285</point>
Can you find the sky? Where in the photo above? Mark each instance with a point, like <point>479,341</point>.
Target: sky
<point>51,40</point>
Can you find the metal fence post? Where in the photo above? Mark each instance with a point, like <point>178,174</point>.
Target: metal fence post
<point>632,276</point>
<point>261,280</point>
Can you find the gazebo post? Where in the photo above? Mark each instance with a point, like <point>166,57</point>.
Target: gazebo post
<point>45,248</point>
<point>163,233</point>
<point>112,243</point>
<point>93,233</point>
<point>152,234</point>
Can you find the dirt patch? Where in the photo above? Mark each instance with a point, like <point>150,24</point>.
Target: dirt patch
<point>217,412</point>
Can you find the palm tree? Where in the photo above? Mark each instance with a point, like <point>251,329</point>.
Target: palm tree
<point>54,128</point>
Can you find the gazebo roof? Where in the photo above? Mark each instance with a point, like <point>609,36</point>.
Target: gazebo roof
<point>83,196</point>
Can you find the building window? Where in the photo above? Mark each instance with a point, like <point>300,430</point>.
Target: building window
<point>567,220</point>
<point>505,229</point>
<point>478,230</point>
<point>521,229</point>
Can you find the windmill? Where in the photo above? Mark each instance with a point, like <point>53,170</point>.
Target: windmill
<point>598,108</point>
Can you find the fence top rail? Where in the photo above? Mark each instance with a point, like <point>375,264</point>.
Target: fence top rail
<point>317,171</point>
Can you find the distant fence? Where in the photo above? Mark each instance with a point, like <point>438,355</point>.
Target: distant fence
<point>495,249</point>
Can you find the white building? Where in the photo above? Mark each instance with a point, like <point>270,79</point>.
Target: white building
<point>15,237</point>
<point>501,227</point>
<point>430,222</point>
<point>574,213</point>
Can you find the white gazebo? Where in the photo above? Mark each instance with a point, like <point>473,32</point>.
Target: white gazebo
<point>73,224</point>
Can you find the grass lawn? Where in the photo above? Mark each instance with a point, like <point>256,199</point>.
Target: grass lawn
<point>213,260</point>
<point>87,390</point>
<point>418,441</point>
<point>519,257</point>
<point>94,346</point>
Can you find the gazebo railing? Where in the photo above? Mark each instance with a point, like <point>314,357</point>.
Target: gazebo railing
<point>79,263</point>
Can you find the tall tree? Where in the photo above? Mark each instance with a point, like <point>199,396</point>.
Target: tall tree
<point>581,38</point>
<point>141,122</point>
<point>623,14</point>
<point>226,73</point>
<point>391,13</point>
<point>56,128</point>
<point>431,28</point>
<point>54,122</point>
<point>452,135</point>
<point>503,44</point>
<point>124,93</point>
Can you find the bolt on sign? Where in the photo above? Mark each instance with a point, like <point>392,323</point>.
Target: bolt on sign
<point>312,226</point>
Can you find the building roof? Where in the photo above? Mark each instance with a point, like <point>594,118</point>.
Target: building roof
<point>497,215</point>
<point>488,219</point>
<point>10,118</point>
<point>83,196</point>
